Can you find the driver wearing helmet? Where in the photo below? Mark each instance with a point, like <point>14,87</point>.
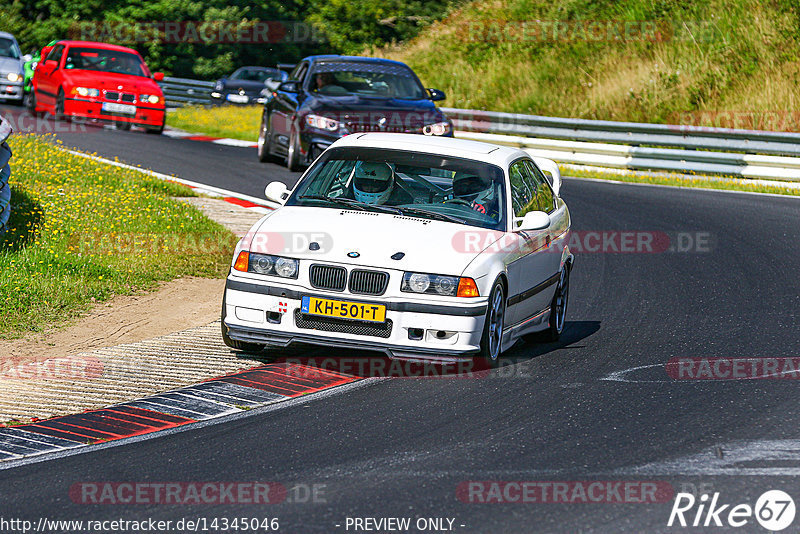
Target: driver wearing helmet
<point>374,183</point>
<point>477,192</point>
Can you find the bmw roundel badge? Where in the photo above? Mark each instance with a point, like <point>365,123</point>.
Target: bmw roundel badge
<point>353,254</point>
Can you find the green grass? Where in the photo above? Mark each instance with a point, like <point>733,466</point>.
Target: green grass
<point>704,60</point>
<point>235,122</point>
<point>82,231</point>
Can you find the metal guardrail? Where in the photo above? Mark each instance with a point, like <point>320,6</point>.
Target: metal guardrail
<point>183,91</point>
<point>747,153</point>
<point>5,174</point>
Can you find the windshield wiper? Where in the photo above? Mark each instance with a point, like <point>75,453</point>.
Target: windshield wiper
<point>350,203</point>
<point>432,214</point>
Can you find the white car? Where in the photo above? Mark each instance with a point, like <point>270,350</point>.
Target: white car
<point>420,247</point>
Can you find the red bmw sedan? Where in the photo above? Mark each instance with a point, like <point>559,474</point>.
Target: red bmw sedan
<point>98,81</point>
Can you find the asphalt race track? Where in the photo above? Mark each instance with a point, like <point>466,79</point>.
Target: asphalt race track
<point>572,411</point>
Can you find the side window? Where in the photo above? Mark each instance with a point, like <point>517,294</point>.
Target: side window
<point>546,198</point>
<point>55,53</point>
<point>523,190</point>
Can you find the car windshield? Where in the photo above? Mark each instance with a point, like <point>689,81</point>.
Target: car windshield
<point>258,75</point>
<point>102,60</point>
<point>420,185</point>
<point>339,78</point>
<point>8,48</point>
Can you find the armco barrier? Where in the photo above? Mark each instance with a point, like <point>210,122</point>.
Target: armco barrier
<point>5,174</point>
<point>182,91</point>
<point>747,153</point>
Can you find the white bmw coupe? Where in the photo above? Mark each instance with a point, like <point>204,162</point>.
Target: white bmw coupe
<point>420,247</point>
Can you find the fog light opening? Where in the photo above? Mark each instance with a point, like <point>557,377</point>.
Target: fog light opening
<point>415,334</point>
<point>274,317</point>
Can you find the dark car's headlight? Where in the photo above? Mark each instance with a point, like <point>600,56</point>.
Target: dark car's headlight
<point>438,128</point>
<point>437,284</point>
<point>267,264</point>
<point>323,123</point>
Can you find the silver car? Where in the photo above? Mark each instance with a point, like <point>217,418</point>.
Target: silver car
<point>11,71</point>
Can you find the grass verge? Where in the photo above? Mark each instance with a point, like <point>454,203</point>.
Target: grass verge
<point>235,122</point>
<point>82,231</point>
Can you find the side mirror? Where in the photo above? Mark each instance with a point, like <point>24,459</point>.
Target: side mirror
<point>290,87</point>
<point>550,166</point>
<point>436,94</point>
<point>51,64</point>
<point>158,76</point>
<point>27,57</point>
<point>535,220</point>
<point>276,192</point>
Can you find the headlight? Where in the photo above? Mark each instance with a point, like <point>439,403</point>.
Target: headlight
<point>266,264</point>
<point>448,286</point>
<point>14,77</point>
<point>85,91</point>
<point>149,99</point>
<point>322,123</point>
<point>440,128</point>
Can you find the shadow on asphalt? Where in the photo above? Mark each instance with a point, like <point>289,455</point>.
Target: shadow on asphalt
<point>373,364</point>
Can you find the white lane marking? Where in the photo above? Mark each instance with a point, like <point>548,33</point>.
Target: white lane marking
<point>619,376</point>
<point>731,459</point>
<point>194,185</point>
<point>235,142</point>
<point>619,182</point>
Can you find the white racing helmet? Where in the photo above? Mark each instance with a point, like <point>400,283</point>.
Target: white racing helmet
<point>373,182</point>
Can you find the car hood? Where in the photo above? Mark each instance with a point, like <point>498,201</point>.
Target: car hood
<point>9,64</point>
<point>112,81</point>
<point>428,246</point>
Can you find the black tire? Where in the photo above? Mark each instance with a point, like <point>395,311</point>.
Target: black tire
<point>492,338</point>
<point>558,307</point>
<point>59,114</point>
<point>155,131</point>
<point>264,138</point>
<point>235,344</point>
<point>293,152</point>
<point>122,125</point>
<point>31,105</point>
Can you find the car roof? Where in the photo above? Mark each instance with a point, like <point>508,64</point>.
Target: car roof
<point>445,146</point>
<point>95,44</point>
<point>362,59</point>
<point>8,35</point>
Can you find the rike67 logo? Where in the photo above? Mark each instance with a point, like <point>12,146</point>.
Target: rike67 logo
<point>774,510</point>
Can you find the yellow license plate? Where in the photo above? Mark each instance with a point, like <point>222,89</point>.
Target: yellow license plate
<point>374,313</point>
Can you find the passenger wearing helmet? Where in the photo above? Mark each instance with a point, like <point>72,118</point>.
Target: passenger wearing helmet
<point>477,192</point>
<point>374,183</point>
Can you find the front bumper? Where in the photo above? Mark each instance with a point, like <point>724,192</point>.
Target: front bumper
<point>270,315</point>
<point>92,109</point>
<point>11,90</point>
